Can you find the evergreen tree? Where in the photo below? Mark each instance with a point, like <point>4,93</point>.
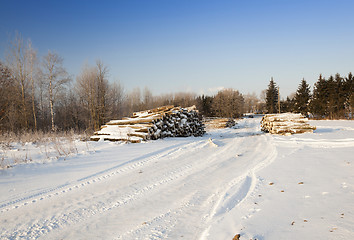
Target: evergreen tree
<point>272,97</point>
<point>287,105</point>
<point>302,98</point>
<point>349,89</point>
<point>340,97</point>
<point>318,105</point>
<point>204,105</point>
<point>331,98</point>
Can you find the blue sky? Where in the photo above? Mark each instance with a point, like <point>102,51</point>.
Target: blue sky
<point>191,45</point>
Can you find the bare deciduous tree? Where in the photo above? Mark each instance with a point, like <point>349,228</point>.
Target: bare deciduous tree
<point>184,99</point>
<point>102,92</point>
<point>18,64</point>
<point>93,89</point>
<point>7,100</point>
<point>228,103</point>
<point>116,100</point>
<point>134,102</point>
<point>31,56</point>
<point>147,98</point>
<point>55,77</point>
<point>251,103</point>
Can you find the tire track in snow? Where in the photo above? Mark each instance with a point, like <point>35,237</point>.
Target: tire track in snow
<point>60,220</point>
<point>315,143</point>
<point>153,229</point>
<point>78,215</point>
<point>237,190</point>
<point>187,169</point>
<point>101,175</point>
<point>159,227</point>
<point>88,210</point>
<point>204,200</point>
<point>193,168</point>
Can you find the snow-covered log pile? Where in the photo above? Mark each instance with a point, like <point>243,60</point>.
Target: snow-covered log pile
<point>219,122</point>
<point>286,123</point>
<point>167,121</point>
<point>230,123</point>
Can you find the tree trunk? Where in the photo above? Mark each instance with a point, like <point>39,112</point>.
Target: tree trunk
<point>24,104</point>
<point>33,104</point>
<point>51,104</point>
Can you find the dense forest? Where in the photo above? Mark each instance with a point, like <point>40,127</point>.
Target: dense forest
<point>37,93</point>
<point>332,98</point>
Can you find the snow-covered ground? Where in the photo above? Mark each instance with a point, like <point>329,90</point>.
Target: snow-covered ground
<point>228,182</point>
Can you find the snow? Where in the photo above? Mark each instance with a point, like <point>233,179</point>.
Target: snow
<point>228,182</point>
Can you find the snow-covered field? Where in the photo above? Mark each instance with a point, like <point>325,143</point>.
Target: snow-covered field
<point>228,182</point>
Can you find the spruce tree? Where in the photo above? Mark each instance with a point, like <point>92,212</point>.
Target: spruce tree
<point>302,98</point>
<point>340,96</point>
<point>287,105</point>
<point>318,106</point>
<point>272,97</point>
<point>204,105</point>
<point>349,89</point>
<point>331,97</point>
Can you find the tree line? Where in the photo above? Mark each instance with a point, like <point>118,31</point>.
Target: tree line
<point>331,98</point>
<point>37,93</point>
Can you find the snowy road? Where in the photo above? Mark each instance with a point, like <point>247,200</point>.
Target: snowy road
<point>172,188</point>
<point>152,196</point>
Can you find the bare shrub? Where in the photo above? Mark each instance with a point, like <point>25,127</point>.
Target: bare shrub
<point>51,145</point>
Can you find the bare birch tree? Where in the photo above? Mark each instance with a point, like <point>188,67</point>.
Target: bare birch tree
<point>55,77</point>
<point>31,56</point>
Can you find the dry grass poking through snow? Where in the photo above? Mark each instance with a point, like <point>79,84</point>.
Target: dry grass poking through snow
<point>27,147</point>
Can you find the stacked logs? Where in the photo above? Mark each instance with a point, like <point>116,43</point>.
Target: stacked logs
<point>167,121</point>
<point>286,123</point>
<point>213,123</point>
<point>230,123</point>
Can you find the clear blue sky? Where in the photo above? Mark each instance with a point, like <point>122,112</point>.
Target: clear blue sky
<point>191,45</point>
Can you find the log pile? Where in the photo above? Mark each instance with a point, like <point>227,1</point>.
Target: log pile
<point>286,123</point>
<point>213,123</point>
<point>167,121</point>
<point>230,123</point>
